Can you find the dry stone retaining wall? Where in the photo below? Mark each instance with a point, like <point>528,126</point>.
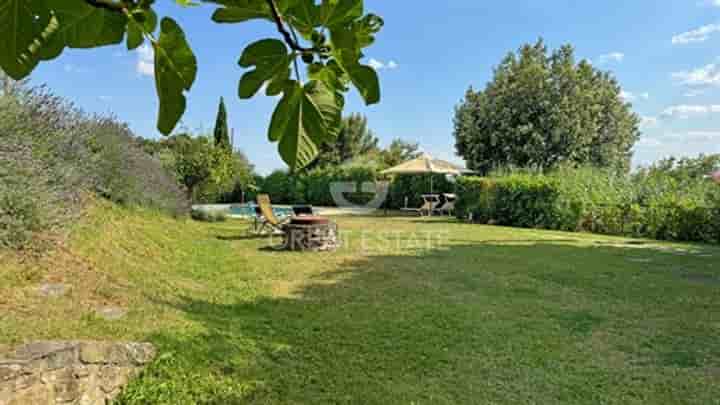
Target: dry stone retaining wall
<point>78,372</point>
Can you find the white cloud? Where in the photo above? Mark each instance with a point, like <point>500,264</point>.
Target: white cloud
<point>145,61</point>
<point>378,65</point>
<point>648,122</point>
<point>684,111</point>
<point>701,34</point>
<point>694,93</point>
<point>105,98</point>
<point>678,144</point>
<point>708,75</point>
<point>611,57</point>
<point>629,96</point>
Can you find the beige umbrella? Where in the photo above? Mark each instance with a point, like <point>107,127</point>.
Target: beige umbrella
<point>425,164</point>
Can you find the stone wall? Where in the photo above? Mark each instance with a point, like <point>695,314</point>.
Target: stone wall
<point>84,373</point>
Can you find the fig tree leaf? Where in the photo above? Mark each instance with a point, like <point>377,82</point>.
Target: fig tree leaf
<point>175,73</point>
<point>305,118</point>
<point>141,22</point>
<point>270,58</point>
<point>347,49</point>
<point>366,80</point>
<point>83,26</point>
<point>24,27</point>
<point>278,83</point>
<point>331,75</point>
<point>304,16</point>
<point>335,12</point>
<point>236,11</point>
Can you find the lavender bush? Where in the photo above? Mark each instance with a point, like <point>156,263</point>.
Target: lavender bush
<point>53,155</point>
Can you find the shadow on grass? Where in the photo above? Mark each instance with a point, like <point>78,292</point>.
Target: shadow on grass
<point>474,323</point>
<point>235,238</point>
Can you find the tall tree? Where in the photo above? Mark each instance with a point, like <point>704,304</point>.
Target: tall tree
<point>355,139</point>
<point>543,110</point>
<point>222,132</point>
<point>398,152</point>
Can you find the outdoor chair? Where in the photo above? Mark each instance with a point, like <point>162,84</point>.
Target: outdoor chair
<point>267,221</point>
<point>448,205</point>
<point>429,206</point>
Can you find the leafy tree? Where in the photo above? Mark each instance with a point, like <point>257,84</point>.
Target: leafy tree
<point>197,162</point>
<point>328,37</point>
<point>354,139</point>
<point>222,132</point>
<point>544,110</point>
<point>398,152</point>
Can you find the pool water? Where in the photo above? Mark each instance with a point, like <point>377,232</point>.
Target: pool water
<point>248,210</point>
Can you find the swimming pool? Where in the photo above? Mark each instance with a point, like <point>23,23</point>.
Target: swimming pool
<point>248,210</point>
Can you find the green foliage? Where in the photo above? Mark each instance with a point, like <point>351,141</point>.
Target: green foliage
<point>197,162</point>
<point>306,117</point>
<point>21,208</point>
<point>354,140</point>
<point>41,30</point>
<point>222,132</point>
<point>413,187</point>
<point>175,72</point>
<point>651,203</point>
<point>53,157</point>
<point>398,152</point>
<point>544,110</point>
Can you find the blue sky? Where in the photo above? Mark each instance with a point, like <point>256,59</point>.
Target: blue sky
<point>665,53</point>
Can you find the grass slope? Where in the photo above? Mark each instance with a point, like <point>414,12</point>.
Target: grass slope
<point>486,315</point>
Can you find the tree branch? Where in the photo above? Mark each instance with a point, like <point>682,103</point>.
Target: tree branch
<point>108,5</point>
<point>293,43</point>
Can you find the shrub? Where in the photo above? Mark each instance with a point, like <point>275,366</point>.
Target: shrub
<point>52,155</point>
<point>655,205</point>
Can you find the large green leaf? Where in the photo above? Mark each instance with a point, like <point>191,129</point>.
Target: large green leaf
<point>141,22</point>
<point>366,80</point>
<point>24,26</point>
<point>305,117</point>
<point>83,26</point>
<point>331,75</point>
<point>348,42</point>
<point>304,16</point>
<point>270,58</point>
<point>336,12</point>
<point>236,11</point>
<point>175,72</point>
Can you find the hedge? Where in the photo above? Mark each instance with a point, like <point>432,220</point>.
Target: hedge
<point>595,201</point>
<point>313,187</point>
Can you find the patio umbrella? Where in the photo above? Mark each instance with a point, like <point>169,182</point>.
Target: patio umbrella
<point>425,164</point>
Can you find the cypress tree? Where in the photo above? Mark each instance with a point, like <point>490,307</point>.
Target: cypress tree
<point>222,133</point>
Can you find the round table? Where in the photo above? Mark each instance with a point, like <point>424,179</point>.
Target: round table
<point>310,233</point>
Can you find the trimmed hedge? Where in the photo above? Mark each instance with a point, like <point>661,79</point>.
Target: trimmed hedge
<point>595,201</point>
<point>313,187</point>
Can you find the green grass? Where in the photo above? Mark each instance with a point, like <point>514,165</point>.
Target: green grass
<point>484,315</point>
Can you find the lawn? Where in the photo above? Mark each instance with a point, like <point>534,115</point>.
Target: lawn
<point>474,314</point>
